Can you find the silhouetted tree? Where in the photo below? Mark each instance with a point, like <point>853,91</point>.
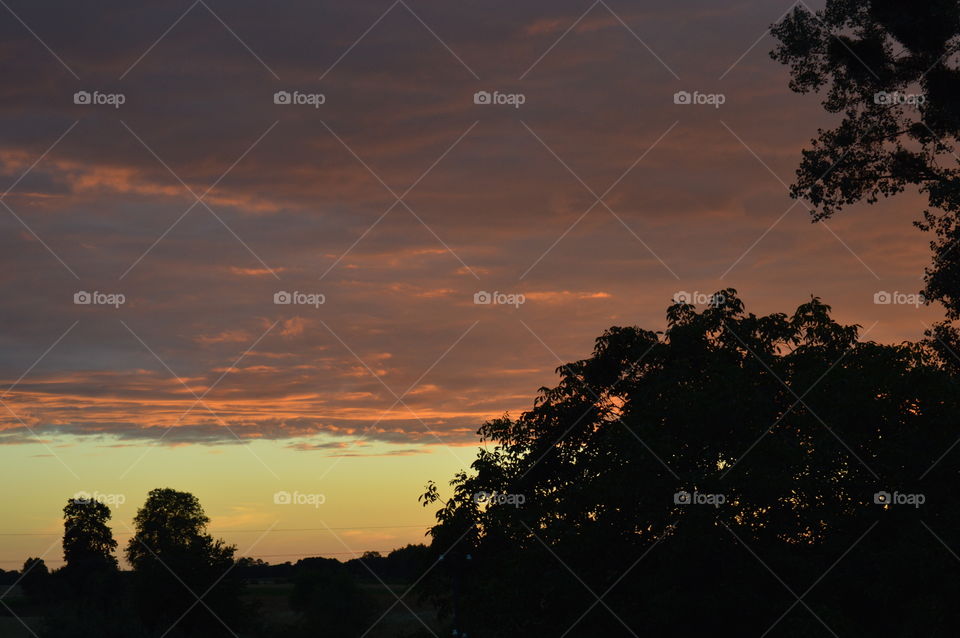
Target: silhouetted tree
<point>88,598</point>
<point>88,543</point>
<point>35,580</point>
<point>890,69</point>
<point>403,565</point>
<point>175,562</point>
<point>330,602</point>
<point>789,425</point>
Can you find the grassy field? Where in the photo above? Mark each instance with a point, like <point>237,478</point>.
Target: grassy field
<point>273,600</point>
<point>400,620</point>
<point>13,628</point>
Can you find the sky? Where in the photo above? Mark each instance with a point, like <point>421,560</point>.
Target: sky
<point>187,167</point>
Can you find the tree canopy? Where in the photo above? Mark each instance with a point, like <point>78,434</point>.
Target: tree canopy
<point>889,69</point>
<point>680,475</point>
<point>176,562</point>
<point>88,543</point>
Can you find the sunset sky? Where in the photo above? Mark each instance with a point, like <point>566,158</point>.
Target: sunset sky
<point>398,199</point>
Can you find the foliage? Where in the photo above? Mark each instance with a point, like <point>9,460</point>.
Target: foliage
<point>792,419</point>
<point>176,562</point>
<point>35,580</point>
<point>330,601</point>
<point>889,69</point>
<point>88,543</point>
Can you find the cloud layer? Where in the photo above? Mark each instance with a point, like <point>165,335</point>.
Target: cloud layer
<point>397,199</point>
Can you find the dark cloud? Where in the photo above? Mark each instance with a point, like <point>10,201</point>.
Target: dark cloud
<point>297,204</point>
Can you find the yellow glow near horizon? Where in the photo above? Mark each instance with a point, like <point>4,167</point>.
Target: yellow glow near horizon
<point>367,503</point>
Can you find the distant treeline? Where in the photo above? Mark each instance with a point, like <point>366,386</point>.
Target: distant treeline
<point>182,582</point>
<point>399,566</point>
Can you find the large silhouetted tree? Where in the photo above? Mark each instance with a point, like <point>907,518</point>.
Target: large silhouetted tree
<point>86,596</point>
<point>88,543</point>
<point>784,428</point>
<point>890,69</point>
<point>176,562</point>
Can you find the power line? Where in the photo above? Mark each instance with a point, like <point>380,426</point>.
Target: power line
<point>244,531</point>
<point>251,531</point>
<point>321,555</point>
<point>299,555</point>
